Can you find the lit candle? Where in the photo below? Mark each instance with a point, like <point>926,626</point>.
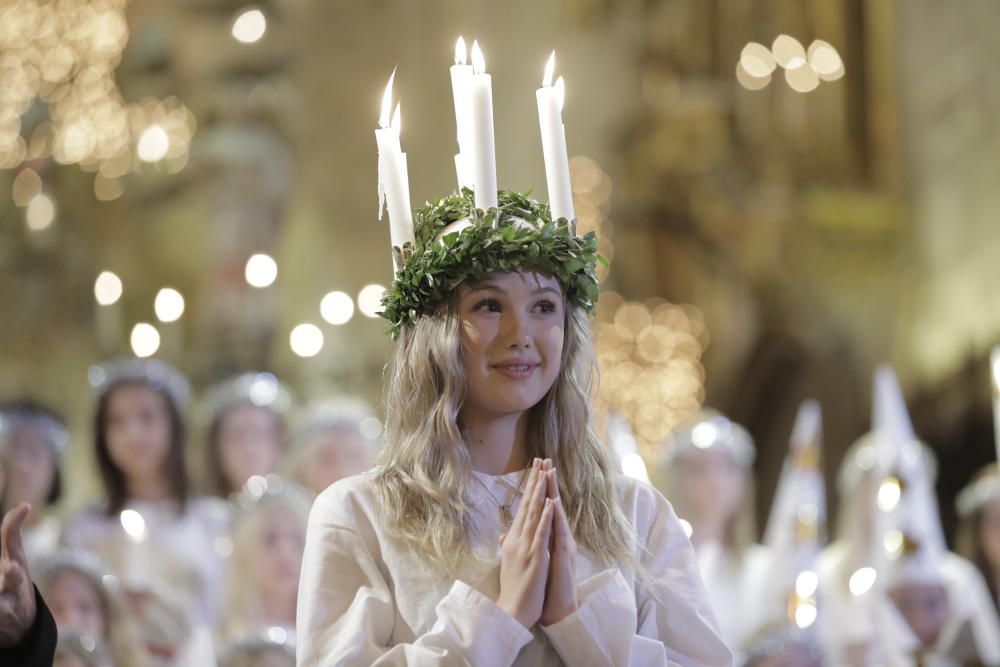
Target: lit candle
<point>483,152</point>
<point>550,103</point>
<point>461,87</point>
<point>137,572</point>
<point>394,186</point>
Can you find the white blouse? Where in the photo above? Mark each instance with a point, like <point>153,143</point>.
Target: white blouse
<point>365,598</point>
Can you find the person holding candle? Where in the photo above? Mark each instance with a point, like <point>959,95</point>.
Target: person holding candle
<point>246,435</point>
<point>494,529</point>
<point>150,529</point>
<point>34,439</point>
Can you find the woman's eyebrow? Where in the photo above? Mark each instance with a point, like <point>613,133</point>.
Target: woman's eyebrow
<point>493,287</point>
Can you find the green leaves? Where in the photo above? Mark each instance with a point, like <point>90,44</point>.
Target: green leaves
<point>433,267</point>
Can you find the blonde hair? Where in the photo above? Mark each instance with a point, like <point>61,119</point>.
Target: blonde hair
<point>243,604</point>
<point>423,473</point>
<point>122,641</point>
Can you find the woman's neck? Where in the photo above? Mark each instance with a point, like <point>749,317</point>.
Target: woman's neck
<point>279,608</point>
<point>153,487</point>
<point>496,443</point>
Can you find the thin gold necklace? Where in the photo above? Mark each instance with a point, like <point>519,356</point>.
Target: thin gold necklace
<point>506,516</point>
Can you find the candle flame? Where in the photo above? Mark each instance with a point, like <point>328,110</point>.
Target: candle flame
<point>383,117</point>
<point>460,51</point>
<point>396,119</point>
<point>478,62</point>
<point>560,88</point>
<point>550,69</point>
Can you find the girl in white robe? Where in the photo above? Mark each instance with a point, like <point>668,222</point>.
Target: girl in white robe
<point>493,530</point>
<point>150,529</point>
<point>708,478</point>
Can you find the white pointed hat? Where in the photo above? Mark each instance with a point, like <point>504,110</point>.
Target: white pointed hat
<point>912,536</point>
<point>796,525</point>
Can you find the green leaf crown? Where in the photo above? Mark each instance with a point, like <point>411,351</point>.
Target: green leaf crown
<point>432,267</point>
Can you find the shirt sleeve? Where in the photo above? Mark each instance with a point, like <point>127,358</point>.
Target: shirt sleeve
<point>664,621</point>
<point>346,610</point>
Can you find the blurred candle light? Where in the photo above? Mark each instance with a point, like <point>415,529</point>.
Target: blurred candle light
<point>261,271</point>
<point>145,340</point>
<point>40,213</point>
<point>306,340</point>
<point>249,26</point>
<point>154,142</point>
<point>169,305</point>
<point>337,308</point>
<point>370,300</point>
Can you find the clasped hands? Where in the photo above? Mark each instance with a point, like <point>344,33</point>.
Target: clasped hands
<point>538,554</point>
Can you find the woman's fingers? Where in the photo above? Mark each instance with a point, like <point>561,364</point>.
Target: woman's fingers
<point>543,531</point>
<point>561,521</point>
<point>517,526</point>
<point>552,483</point>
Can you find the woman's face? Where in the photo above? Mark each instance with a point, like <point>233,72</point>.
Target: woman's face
<point>138,430</point>
<point>925,608</point>
<point>711,484</point>
<point>336,453</point>
<point>250,443</point>
<point>512,340</point>
<point>32,465</point>
<point>989,534</point>
<point>75,604</point>
<point>282,538</point>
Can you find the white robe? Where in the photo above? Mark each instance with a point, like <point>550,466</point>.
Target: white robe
<point>735,592</point>
<point>180,553</point>
<point>365,598</point>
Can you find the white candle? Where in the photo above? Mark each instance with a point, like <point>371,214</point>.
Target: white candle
<point>394,187</point>
<point>995,377</point>
<point>483,153</point>
<point>550,103</point>
<point>461,89</point>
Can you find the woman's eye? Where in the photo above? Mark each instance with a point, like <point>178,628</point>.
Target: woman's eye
<point>489,305</point>
<point>546,306</point>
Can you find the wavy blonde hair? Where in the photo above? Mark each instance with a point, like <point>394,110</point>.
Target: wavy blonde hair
<point>423,473</point>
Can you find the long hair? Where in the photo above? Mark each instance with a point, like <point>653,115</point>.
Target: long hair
<point>112,476</point>
<point>244,607</point>
<point>423,473</point>
<point>122,640</point>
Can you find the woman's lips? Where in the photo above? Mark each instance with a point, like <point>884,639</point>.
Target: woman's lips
<point>516,371</point>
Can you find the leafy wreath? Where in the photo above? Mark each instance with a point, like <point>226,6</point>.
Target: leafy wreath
<point>433,266</point>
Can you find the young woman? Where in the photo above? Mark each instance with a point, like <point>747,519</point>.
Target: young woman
<point>709,478</point>
<point>493,531</point>
<point>149,529</point>
<point>269,532</point>
<point>34,439</point>
<point>85,600</point>
<point>247,432</point>
<point>979,531</point>
<point>332,442</point>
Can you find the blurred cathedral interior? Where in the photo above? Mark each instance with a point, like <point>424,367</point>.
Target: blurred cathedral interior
<point>792,194</point>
